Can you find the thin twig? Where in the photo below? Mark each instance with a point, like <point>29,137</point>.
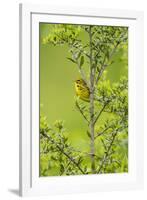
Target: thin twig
<point>104,65</point>
<point>79,67</point>
<point>81,111</point>
<point>63,152</point>
<point>100,112</point>
<point>82,73</point>
<point>101,133</point>
<point>80,50</point>
<point>107,152</point>
<point>66,168</point>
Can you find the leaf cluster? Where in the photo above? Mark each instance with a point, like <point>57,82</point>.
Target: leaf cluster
<point>56,153</point>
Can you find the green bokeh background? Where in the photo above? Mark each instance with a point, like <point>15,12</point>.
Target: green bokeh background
<point>57,95</point>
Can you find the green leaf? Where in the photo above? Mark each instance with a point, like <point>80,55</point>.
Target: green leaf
<point>82,61</point>
<point>71,60</point>
<point>78,55</point>
<point>107,54</point>
<point>88,134</point>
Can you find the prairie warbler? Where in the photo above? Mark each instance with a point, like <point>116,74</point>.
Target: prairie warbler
<point>82,90</point>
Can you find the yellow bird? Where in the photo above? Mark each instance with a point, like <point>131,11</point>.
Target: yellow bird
<point>82,90</point>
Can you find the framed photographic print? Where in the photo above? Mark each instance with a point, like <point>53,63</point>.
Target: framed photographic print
<point>81,100</point>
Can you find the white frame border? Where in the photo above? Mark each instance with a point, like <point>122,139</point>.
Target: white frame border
<point>27,184</point>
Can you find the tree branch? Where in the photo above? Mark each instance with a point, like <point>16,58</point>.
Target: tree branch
<point>91,107</point>
<point>81,111</point>
<point>114,134</point>
<point>104,65</point>
<point>100,112</point>
<point>66,168</point>
<point>62,151</point>
<point>80,50</point>
<point>107,152</point>
<point>82,73</point>
<point>101,133</point>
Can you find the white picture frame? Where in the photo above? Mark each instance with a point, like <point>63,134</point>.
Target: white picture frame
<point>30,182</point>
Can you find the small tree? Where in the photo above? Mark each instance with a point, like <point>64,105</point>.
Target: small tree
<point>98,52</point>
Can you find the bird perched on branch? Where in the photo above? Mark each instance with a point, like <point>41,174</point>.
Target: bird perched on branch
<point>82,90</point>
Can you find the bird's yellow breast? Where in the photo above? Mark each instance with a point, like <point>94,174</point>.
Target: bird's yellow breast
<point>82,90</point>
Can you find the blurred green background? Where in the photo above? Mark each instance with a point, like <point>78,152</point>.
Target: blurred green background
<point>57,95</point>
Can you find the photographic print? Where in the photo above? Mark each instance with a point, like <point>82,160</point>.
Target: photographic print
<point>83,99</point>
<point>81,129</point>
